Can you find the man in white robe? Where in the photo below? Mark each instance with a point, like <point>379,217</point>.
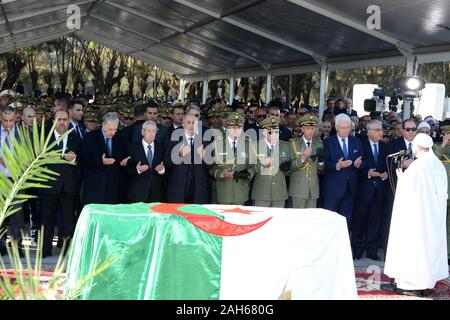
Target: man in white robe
<point>416,254</point>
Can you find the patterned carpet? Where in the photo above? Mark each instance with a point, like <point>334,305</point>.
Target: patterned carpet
<point>368,285</point>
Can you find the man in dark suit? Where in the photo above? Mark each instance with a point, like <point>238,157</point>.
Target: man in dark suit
<point>187,171</point>
<point>343,159</point>
<point>75,116</point>
<point>63,189</point>
<point>145,167</point>
<point>102,154</point>
<point>177,121</point>
<point>348,108</point>
<point>285,133</point>
<point>409,129</point>
<point>331,109</point>
<point>370,200</point>
<point>8,133</point>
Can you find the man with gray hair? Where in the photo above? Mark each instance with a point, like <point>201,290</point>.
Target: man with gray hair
<point>343,160</point>
<point>102,154</point>
<point>145,167</point>
<point>9,133</point>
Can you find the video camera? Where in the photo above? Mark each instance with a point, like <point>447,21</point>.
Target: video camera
<point>393,103</point>
<point>376,104</point>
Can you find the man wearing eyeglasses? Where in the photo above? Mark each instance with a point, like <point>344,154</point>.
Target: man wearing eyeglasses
<point>396,145</point>
<point>269,188</point>
<point>370,198</point>
<point>306,155</point>
<point>233,168</point>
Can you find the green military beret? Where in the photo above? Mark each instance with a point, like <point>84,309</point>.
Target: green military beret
<point>308,120</point>
<point>270,123</point>
<point>235,119</point>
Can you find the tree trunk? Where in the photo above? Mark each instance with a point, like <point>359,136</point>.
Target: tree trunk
<point>14,64</point>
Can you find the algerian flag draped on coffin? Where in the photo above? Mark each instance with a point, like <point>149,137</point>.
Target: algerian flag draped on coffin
<point>177,251</point>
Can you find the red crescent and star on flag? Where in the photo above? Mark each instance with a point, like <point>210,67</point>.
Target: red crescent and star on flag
<point>211,224</point>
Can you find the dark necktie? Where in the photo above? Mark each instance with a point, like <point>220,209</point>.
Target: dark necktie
<point>79,131</point>
<point>411,157</point>
<point>191,144</point>
<point>234,147</point>
<point>7,141</point>
<point>308,144</point>
<point>149,156</point>
<point>344,149</point>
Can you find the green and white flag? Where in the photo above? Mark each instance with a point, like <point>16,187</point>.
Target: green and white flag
<point>177,251</point>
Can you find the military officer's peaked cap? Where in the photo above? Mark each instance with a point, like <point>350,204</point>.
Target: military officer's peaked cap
<point>270,123</point>
<point>235,119</point>
<point>308,120</point>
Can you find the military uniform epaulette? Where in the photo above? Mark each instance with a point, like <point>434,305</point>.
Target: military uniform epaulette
<point>294,139</point>
<point>284,142</point>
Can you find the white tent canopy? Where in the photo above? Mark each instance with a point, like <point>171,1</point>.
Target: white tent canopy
<point>201,40</point>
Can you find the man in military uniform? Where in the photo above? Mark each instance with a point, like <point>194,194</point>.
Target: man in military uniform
<point>6,98</point>
<point>234,167</point>
<point>39,112</point>
<point>442,151</point>
<point>306,152</point>
<point>214,118</point>
<point>165,116</point>
<point>274,160</point>
<point>91,119</point>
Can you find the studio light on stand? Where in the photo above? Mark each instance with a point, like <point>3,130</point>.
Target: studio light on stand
<point>409,88</point>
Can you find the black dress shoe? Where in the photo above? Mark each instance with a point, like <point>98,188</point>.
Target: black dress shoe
<point>357,255</point>
<point>410,293</point>
<point>373,257</point>
<point>388,287</point>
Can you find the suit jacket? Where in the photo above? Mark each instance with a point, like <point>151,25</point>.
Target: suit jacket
<point>367,187</point>
<point>81,126</point>
<point>101,182</point>
<point>149,185</point>
<point>179,173</point>
<point>66,181</point>
<point>394,146</point>
<point>352,114</point>
<point>285,134</point>
<point>335,182</point>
